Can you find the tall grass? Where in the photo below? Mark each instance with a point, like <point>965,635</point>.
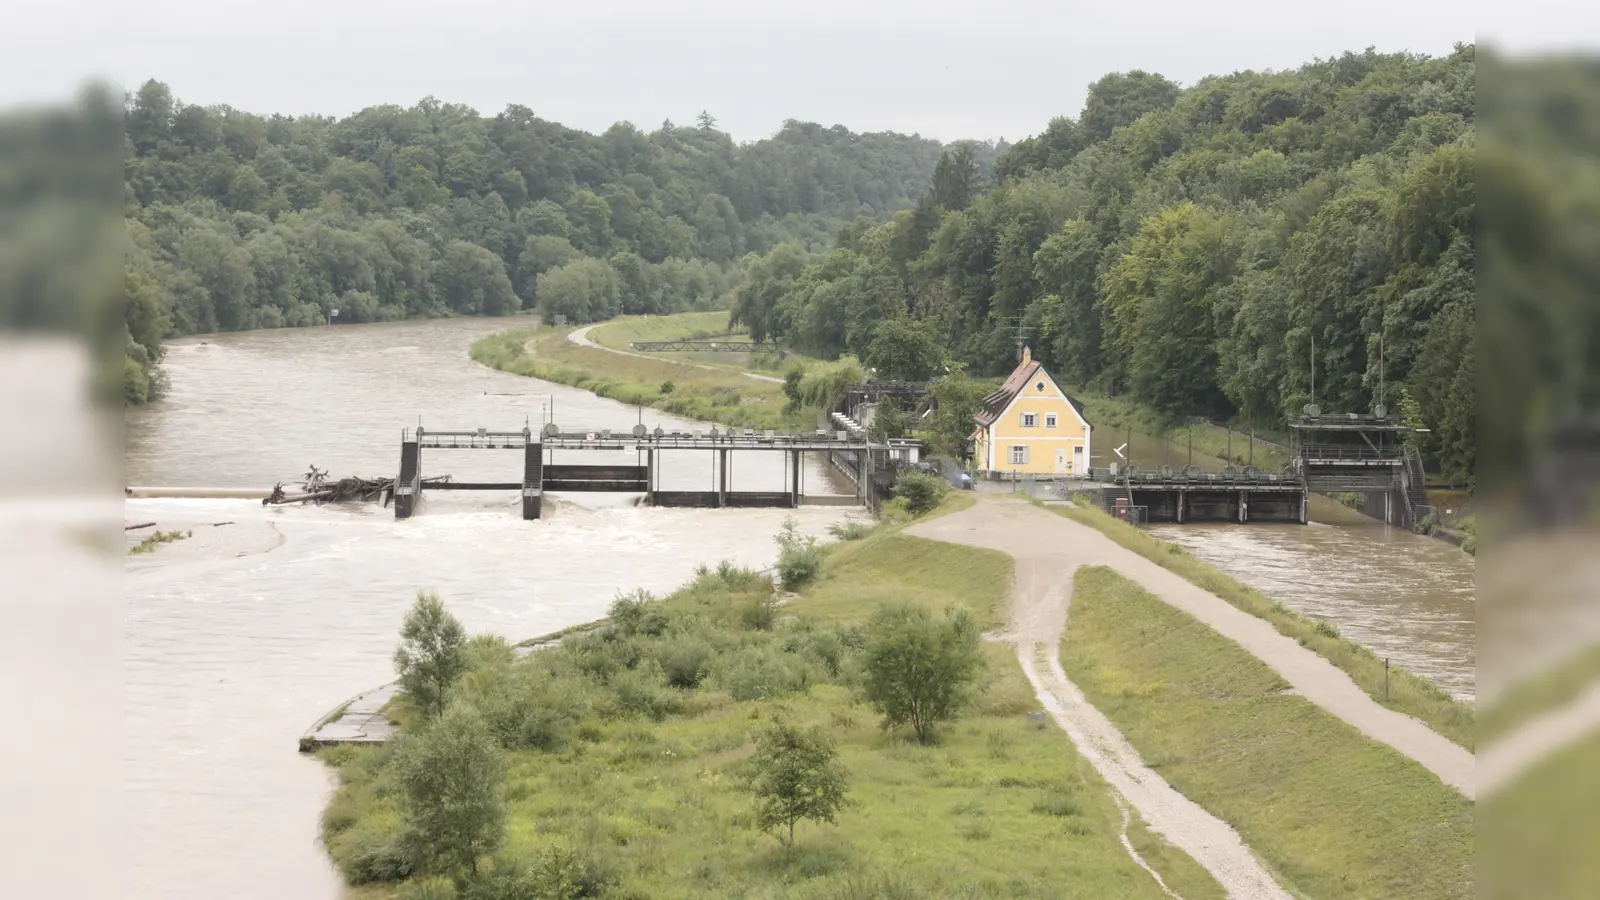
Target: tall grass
<point>1400,690</point>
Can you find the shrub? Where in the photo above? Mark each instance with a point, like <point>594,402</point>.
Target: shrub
<point>763,672</point>
<point>641,692</point>
<point>850,531</point>
<point>427,889</point>
<point>760,613</point>
<point>686,661</point>
<point>920,670</point>
<point>667,387</point>
<point>371,852</point>
<point>921,491</point>
<point>450,777</point>
<point>1327,629</point>
<point>799,560</point>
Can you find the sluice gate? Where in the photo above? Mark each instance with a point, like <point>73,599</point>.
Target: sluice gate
<point>865,457</point>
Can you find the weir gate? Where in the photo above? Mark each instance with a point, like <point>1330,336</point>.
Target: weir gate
<point>1365,458</point>
<point>850,451</point>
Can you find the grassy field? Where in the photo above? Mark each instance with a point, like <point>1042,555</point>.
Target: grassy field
<point>1335,814</point>
<point>621,333</point>
<point>654,806</point>
<point>708,395</point>
<point>1407,692</point>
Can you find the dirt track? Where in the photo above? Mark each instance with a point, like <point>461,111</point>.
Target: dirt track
<point>1039,601</point>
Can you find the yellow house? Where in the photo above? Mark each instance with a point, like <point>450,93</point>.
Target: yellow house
<point>1031,427</point>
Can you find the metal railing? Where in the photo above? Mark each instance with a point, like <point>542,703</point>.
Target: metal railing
<point>1351,453</point>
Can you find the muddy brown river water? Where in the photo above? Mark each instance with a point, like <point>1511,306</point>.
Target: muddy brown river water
<point>229,658</point>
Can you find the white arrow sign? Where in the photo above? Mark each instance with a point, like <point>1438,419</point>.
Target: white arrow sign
<point>1118,451</point>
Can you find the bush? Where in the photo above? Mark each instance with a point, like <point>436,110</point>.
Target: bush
<point>667,387</point>
<point>641,692</point>
<point>370,853</point>
<point>686,661</point>
<point>920,670</point>
<point>921,491</point>
<point>760,613</point>
<point>799,560</point>
<point>850,531</point>
<point>763,672</point>
<point>427,889</point>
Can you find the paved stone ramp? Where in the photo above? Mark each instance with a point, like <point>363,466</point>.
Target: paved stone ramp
<point>1039,537</point>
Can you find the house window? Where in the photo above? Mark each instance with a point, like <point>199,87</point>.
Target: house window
<point>1030,420</point>
<point>1040,387</point>
<point>1019,455</point>
<point>1049,420</point>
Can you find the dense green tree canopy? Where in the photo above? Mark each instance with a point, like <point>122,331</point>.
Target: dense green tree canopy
<point>240,221</point>
<point>1189,246</point>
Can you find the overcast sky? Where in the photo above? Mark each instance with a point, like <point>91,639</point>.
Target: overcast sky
<point>943,69</point>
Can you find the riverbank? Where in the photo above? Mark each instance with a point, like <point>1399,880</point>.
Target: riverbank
<point>708,394</point>
<point>1391,686</point>
<point>638,775</point>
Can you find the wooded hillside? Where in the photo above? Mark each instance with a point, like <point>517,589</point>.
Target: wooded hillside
<point>240,221</point>
<point>1186,246</point>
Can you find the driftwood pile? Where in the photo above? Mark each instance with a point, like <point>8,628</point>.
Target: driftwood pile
<point>315,487</point>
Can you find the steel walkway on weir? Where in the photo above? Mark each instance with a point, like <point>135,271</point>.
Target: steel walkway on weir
<point>849,443</point>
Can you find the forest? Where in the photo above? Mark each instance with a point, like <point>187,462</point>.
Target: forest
<point>1187,247</point>
<point>238,221</point>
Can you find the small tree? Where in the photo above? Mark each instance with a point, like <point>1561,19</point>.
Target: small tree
<point>921,491</point>
<point>431,655</point>
<point>449,778</point>
<point>919,669</point>
<point>797,776</point>
<point>799,560</point>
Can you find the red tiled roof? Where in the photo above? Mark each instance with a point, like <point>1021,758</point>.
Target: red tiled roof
<point>996,403</point>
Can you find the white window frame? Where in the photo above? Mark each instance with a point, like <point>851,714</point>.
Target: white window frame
<point>1030,420</point>
<point>1019,454</point>
<point>1050,420</point>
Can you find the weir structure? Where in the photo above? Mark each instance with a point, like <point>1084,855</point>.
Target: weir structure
<point>1360,453</point>
<point>865,461</point>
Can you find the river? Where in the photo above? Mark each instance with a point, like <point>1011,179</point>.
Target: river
<point>229,660</point>
<point>1410,598</point>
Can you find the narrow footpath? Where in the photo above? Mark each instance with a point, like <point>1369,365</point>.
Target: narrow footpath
<point>1051,548</point>
<point>581,338</point>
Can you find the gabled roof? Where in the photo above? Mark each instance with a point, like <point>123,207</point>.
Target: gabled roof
<point>995,404</point>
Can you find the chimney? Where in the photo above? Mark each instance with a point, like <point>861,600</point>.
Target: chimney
<point>1027,355</point>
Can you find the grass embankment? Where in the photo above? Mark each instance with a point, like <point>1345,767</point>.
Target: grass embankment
<point>1407,692</point>
<point>708,395</point>
<point>1335,814</point>
<point>621,333</point>
<point>629,747</point>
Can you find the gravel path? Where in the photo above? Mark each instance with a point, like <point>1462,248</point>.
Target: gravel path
<point>1039,600</point>
<point>581,338</point>
<point>1061,545</point>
